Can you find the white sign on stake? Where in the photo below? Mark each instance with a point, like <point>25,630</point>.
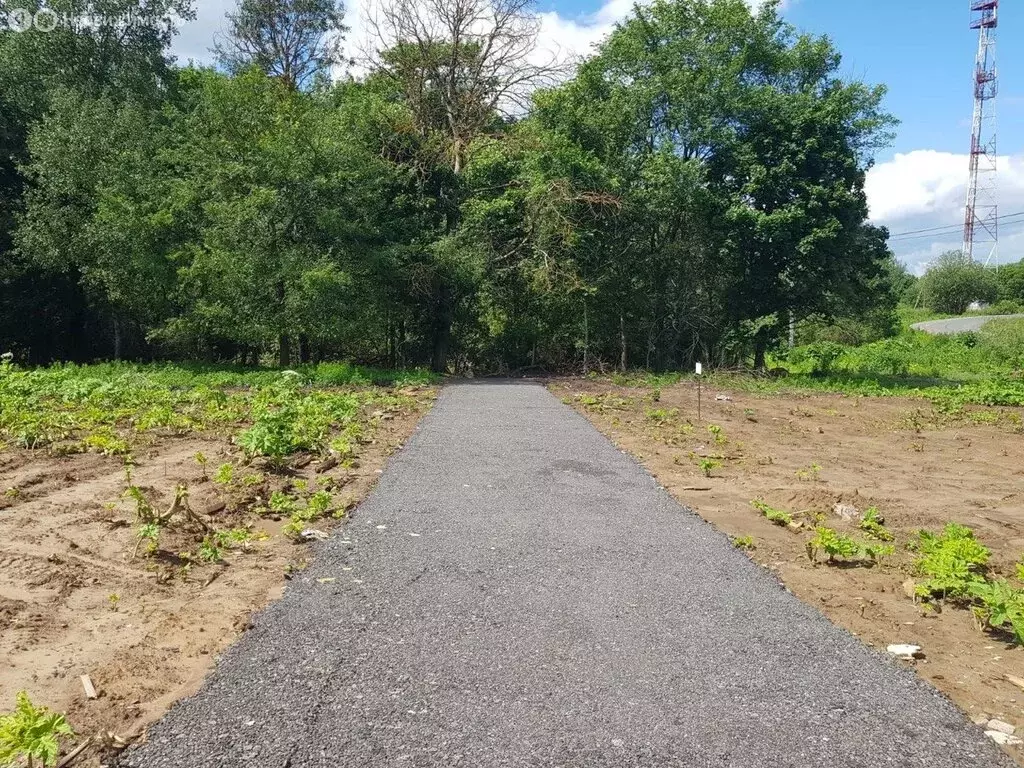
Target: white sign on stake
<point>700,369</point>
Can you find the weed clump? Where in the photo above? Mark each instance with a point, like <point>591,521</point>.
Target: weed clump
<point>951,562</point>
<point>873,524</point>
<point>777,516</point>
<point>32,733</point>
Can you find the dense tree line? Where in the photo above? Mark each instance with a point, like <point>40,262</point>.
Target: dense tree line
<point>684,193</point>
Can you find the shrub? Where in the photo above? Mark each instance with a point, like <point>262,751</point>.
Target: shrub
<point>1004,340</point>
<point>953,562</point>
<point>954,281</point>
<point>817,358</point>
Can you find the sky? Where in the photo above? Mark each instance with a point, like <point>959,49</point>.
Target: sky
<point>923,50</point>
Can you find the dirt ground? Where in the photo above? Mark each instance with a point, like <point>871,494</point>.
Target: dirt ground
<point>75,601</point>
<point>919,467</point>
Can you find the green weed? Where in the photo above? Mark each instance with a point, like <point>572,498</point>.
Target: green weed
<point>745,543</point>
<point>873,524</point>
<point>809,473</point>
<point>951,562</point>
<point>708,465</point>
<point>32,733</point>
<point>777,516</point>
<point>1001,606</point>
<point>716,432</point>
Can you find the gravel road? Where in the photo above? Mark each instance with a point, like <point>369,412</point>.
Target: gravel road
<point>959,324</point>
<point>517,592</point>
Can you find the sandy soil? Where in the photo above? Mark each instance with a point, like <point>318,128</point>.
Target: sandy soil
<point>74,601</point>
<point>920,468</point>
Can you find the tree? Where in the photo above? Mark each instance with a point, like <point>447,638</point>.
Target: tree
<point>297,41</point>
<point>116,50</point>
<point>739,158</point>
<point>282,202</point>
<point>954,281</point>
<point>459,66</point>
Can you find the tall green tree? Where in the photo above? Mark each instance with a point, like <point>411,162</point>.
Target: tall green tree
<point>298,41</point>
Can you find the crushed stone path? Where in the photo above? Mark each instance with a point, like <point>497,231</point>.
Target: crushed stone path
<point>517,592</point>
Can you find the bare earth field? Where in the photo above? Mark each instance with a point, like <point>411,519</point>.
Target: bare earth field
<point>76,599</point>
<point>919,467</point>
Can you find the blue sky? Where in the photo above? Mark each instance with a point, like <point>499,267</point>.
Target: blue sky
<point>923,50</point>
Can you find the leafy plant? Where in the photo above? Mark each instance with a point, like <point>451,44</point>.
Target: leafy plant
<point>717,433</point>
<point>209,550</point>
<point>708,465</point>
<point>224,474</point>
<point>149,536</point>
<point>281,503</point>
<point>1001,606</point>
<point>809,473</point>
<point>833,544</point>
<point>201,460</point>
<point>745,543</point>
<point>319,503</point>
<point>777,516</point>
<point>31,732</point>
<point>873,524</point>
<point>953,562</point>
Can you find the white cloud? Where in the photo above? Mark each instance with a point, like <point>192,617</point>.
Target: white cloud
<point>195,38</point>
<point>925,189</point>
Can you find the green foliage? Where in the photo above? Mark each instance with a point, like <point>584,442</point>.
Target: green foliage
<point>872,523</point>
<point>745,543</point>
<point>1004,340</point>
<point>833,544</point>
<point>951,562</point>
<point>816,358</point>
<point>1000,606</point>
<point>32,733</point>
<point>954,281</point>
<point>777,516</point>
<point>210,550</point>
<point>810,472</point>
<point>652,206</point>
<point>281,503</point>
<point>708,465</point>
<point>836,545</point>
<point>149,536</point>
<point>225,474</point>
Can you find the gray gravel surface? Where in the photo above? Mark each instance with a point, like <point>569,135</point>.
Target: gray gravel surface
<point>517,592</point>
<point>959,324</point>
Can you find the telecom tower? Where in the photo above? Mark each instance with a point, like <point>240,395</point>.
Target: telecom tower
<point>981,215</point>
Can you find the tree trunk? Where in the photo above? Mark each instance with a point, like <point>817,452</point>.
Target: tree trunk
<point>442,330</point>
<point>760,345</point>
<point>622,343</point>
<point>303,348</point>
<point>118,342</point>
<point>284,350</point>
<point>586,341</point>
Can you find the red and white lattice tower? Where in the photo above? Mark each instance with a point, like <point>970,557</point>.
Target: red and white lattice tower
<point>981,216</point>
